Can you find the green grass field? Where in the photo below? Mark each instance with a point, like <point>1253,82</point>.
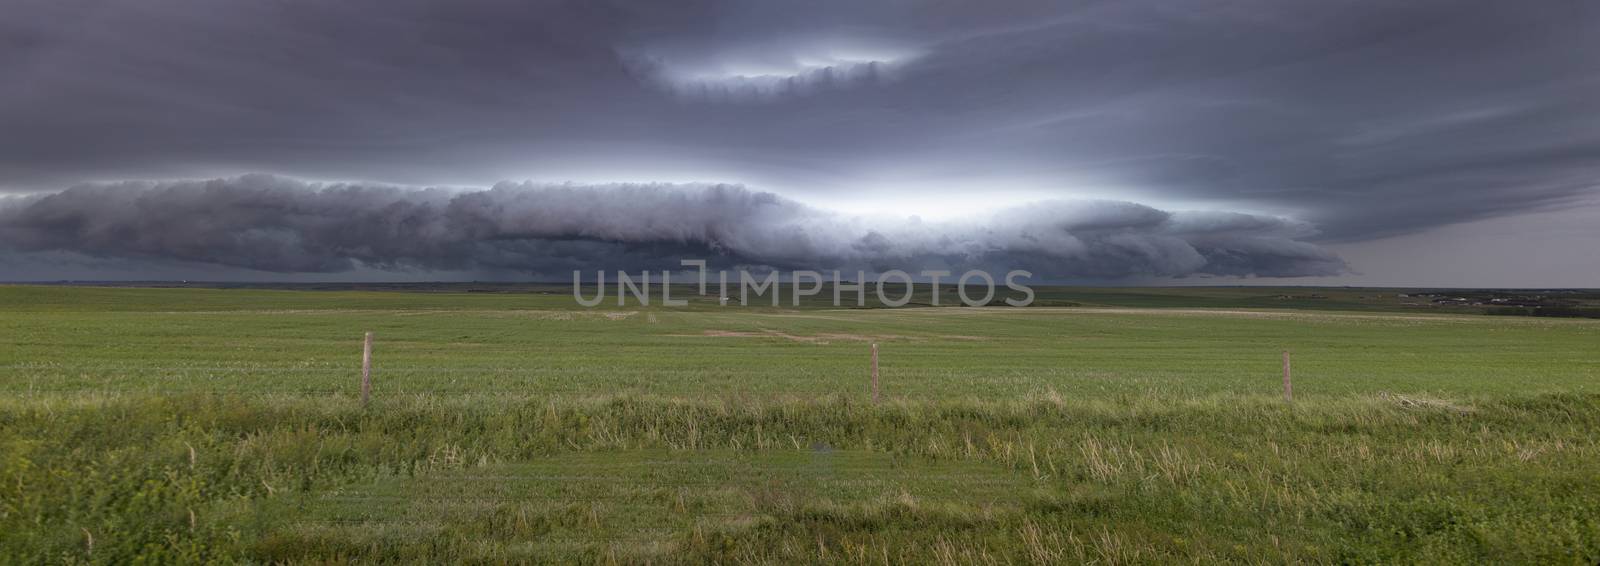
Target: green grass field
<point>1138,426</point>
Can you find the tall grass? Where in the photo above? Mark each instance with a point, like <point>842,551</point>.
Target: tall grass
<point>1379,478</point>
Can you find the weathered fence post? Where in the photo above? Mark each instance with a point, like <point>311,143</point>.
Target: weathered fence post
<point>1288,387</point>
<point>366,369</point>
<point>874,372</point>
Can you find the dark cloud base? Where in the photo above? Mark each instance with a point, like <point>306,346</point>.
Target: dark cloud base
<point>279,225</point>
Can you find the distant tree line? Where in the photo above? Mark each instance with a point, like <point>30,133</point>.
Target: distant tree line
<point>1562,312</point>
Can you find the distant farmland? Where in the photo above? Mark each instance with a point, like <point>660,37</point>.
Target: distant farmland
<point>507,424</point>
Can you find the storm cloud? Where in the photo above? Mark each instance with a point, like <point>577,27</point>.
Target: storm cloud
<point>274,224</point>
<point>1367,119</point>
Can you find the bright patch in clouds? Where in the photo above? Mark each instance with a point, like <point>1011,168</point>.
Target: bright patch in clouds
<point>926,204</point>
<point>780,68</point>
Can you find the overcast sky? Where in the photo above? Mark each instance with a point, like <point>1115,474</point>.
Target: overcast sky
<point>1151,142</point>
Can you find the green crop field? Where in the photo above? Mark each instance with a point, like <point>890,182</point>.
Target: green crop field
<point>1101,425</point>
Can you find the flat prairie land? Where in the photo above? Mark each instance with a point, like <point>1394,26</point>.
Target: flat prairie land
<point>1104,425</point>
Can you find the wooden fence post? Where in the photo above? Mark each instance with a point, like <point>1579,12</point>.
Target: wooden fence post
<point>1288,387</point>
<point>874,372</point>
<point>366,369</point>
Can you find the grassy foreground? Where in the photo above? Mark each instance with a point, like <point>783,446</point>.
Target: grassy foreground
<point>222,425</point>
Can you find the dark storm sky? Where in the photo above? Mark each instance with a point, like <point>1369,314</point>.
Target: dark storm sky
<point>1119,140</point>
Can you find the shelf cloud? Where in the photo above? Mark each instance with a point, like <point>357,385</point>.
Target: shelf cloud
<point>275,224</point>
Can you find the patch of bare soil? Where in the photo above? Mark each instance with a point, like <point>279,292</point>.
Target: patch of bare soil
<point>812,339</point>
<point>823,338</point>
